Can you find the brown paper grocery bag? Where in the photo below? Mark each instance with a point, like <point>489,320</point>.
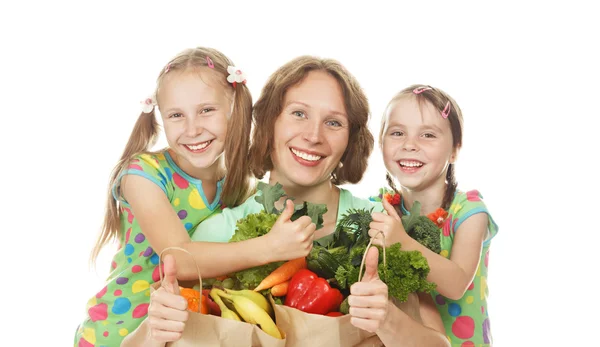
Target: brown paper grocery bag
<point>209,330</point>
<point>314,330</point>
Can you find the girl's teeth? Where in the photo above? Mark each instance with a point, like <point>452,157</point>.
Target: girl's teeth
<point>411,163</point>
<point>306,156</point>
<point>199,146</point>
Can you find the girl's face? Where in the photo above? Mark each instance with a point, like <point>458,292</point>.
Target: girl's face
<point>311,133</point>
<point>417,144</point>
<point>194,109</point>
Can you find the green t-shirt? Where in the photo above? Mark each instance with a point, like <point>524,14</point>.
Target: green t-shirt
<point>220,227</point>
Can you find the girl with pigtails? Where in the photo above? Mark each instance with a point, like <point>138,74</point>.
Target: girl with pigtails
<point>156,199</point>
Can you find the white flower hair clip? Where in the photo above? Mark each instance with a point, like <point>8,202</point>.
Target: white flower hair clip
<point>235,76</point>
<point>148,104</point>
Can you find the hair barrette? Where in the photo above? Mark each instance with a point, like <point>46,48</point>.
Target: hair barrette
<point>168,67</point>
<point>420,90</point>
<point>209,62</point>
<point>446,110</point>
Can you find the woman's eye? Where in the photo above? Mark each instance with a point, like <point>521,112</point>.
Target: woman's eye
<point>333,123</point>
<point>299,114</point>
<point>429,135</point>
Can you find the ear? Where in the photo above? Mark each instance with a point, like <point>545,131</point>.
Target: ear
<point>454,155</point>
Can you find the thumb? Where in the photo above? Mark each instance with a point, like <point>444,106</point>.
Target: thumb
<point>288,211</point>
<point>371,264</point>
<point>391,210</point>
<point>170,280</point>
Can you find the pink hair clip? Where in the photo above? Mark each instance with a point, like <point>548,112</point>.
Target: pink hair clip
<point>446,110</point>
<point>168,67</point>
<point>420,90</point>
<point>209,62</point>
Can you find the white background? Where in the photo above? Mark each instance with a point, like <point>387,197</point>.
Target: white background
<point>525,76</point>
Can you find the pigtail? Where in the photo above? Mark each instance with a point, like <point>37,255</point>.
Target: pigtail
<point>451,185</point>
<point>237,186</point>
<point>143,136</point>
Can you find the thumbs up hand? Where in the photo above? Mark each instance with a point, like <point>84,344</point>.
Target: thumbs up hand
<point>290,239</point>
<point>167,312</point>
<point>368,298</point>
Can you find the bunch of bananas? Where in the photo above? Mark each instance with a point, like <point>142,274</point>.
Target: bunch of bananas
<point>251,306</point>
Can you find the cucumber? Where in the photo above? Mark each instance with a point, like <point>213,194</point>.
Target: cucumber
<point>321,262</point>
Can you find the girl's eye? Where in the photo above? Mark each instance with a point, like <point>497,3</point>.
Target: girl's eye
<point>176,115</point>
<point>299,114</point>
<point>429,135</point>
<point>397,133</point>
<point>206,110</point>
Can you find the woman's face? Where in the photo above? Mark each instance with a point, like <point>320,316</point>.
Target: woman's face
<point>311,133</point>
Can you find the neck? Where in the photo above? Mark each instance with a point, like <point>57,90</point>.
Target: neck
<point>430,198</point>
<point>208,175</point>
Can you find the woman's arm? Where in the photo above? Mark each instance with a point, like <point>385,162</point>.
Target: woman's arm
<point>163,228</point>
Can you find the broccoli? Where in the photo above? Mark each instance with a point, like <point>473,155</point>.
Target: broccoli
<point>422,229</point>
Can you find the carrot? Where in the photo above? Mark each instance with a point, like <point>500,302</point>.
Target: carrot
<point>222,278</point>
<point>282,273</point>
<point>280,289</point>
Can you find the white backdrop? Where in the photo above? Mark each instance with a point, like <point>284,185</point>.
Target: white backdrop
<point>524,75</point>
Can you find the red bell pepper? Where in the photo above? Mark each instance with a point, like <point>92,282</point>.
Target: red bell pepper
<point>335,314</point>
<point>311,294</point>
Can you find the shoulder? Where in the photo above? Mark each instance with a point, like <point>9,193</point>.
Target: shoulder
<point>469,203</point>
<point>349,201</point>
<point>221,226</point>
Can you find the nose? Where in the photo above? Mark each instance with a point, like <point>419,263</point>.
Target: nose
<point>313,132</point>
<point>410,145</point>
<point>194,126</point>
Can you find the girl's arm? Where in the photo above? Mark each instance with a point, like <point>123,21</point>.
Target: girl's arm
<point>453,276</point>
<point>163,228</point>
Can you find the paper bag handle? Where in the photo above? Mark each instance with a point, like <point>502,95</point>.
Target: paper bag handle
<point>160,273</point>
<point>362,263</point>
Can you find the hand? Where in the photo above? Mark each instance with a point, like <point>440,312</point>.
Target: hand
<point>389,224</point>
<point>368,298</point>
<point>167,312</point>
<point>290,240</point>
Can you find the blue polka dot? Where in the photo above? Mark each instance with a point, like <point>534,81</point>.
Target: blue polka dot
<point>454,309</point>
<point>121,306</point>
<point>169,173</point>
<point>129,260</point>
<point>129,249</point>
<point>154,259</point>
<point>188,226</point>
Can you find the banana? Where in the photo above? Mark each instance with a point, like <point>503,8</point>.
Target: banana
<point>225,311</point>
<point>252,313</point>
<point>257,297</point>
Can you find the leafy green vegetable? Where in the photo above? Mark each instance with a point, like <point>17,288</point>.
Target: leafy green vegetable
<point>259,224</point>
<point>422,229</point>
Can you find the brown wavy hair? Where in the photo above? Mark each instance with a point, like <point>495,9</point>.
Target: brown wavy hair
<point>238,184</point>
<point>270,104</point>
<point>438,99</point>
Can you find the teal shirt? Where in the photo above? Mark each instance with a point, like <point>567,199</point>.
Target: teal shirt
<point>220,227</point>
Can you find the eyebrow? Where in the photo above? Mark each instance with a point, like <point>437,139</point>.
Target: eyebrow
<point>202,104</point>
<point>308,106</point>
<point>400,125</point>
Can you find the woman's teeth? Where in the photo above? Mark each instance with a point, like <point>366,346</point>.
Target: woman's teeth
<point>306,156</point>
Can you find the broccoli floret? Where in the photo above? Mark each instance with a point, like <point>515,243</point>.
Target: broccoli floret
<point>426,233</point>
